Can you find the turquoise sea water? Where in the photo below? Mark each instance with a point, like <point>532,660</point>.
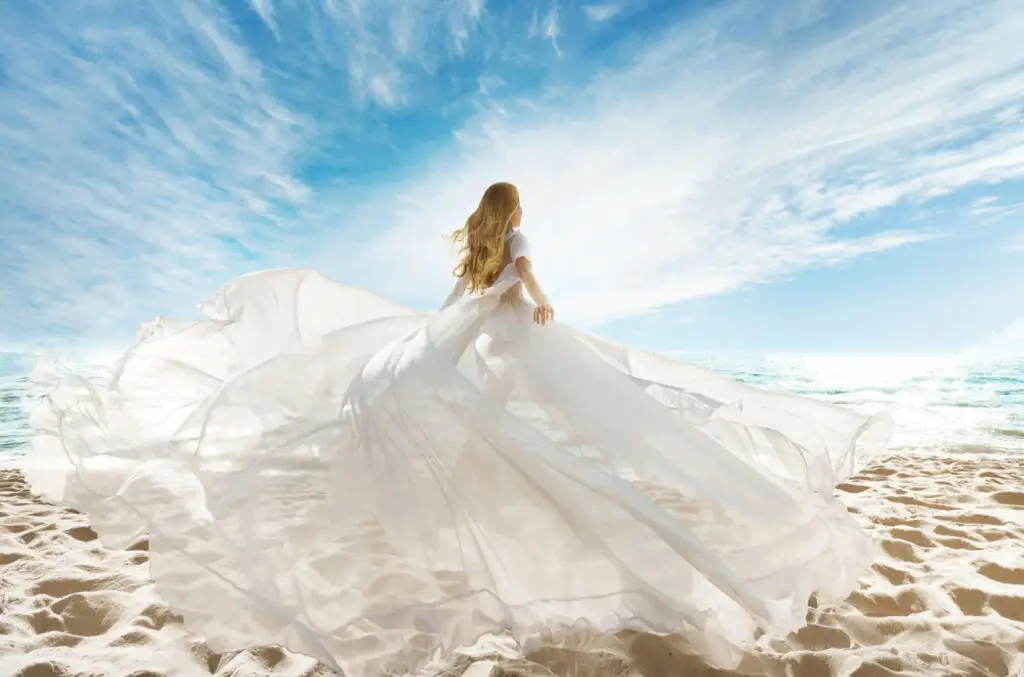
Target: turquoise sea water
<point>937,403</point>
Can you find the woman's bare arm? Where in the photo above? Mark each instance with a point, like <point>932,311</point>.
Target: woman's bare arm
<point>544,312</point>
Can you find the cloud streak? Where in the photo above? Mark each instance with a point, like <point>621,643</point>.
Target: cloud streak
<point>152,150</point>
<point>604,11</point>
<point>713,163</point>
<point>147,155</point>
<point>139,163</point>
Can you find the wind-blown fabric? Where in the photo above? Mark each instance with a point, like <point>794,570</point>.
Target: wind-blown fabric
<point>322,469</point>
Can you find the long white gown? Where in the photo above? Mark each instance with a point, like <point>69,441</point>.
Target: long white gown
<point>319,468</point>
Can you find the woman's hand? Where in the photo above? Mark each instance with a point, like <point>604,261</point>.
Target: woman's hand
<point>543,314</point>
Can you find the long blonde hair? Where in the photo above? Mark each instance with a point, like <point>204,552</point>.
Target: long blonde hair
<point>481,241</point>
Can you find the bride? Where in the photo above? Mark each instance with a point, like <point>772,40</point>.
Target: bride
<point>319,468</point>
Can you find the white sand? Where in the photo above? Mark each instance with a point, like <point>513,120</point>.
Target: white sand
<point>945,597</point>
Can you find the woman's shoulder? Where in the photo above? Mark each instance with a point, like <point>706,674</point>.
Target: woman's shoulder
<point>518,244</point>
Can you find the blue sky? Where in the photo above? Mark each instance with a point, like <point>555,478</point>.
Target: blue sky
<point>738,175</point>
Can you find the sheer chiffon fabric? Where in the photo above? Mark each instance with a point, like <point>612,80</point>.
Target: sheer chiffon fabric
<point>319,468</point>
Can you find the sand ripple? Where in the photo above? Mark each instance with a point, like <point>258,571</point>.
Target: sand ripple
<point>945,596</point>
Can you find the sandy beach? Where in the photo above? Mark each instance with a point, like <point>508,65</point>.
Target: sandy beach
<point>945,596</point>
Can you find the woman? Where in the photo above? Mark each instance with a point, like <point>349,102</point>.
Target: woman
<point>322,469</point>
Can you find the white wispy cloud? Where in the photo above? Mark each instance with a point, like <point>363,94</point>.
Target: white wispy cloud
<point>139,165</point>
<point>551,29</point>
<point>149,151</point>
<point>547,27</point>
<point>384,46</point>
<point>146,155</point>
<point>603,11</point>
<point>715,162</point>
<point>265,9</point>
<point>991,209</point>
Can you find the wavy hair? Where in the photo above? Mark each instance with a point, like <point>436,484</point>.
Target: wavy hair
<point>482,241</point>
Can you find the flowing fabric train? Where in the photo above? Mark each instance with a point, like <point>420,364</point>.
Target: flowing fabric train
<point>322,469</point>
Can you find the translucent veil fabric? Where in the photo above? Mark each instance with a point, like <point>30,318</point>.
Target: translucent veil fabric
<point>322,469</point>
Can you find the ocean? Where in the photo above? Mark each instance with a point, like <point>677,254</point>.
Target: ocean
<point>937,403</point>
<point>941,404</point>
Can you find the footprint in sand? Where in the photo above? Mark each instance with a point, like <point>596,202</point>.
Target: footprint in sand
<point>58,639</point>
<point>972,518</point>
<point>914,536</point>
<point>141,545</point>
<point>901,521</point>
<point>28,536</point>
<point>893,575</point>
<point>916,502</point>
<point>958,544</point>
<point>88,614</point>
<point>943,530</point>
<point>901,550</point>
<point>134,637</point>
<point>816,637</point>
<point>155,616</point>
<point>1008,607</point>
<point>8,557</point>
<point>1012,498</point>
<point>972,602</point>
<point>903,603</point>
<point>81,533</point>
<point>46,669</point>
<point>998,572</point>
<point>62,586</point>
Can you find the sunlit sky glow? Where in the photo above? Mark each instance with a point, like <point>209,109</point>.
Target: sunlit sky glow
<point>804,176</point>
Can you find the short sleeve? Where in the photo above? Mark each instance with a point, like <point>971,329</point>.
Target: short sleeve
<point>519,246</point>
<point>457,291</point>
